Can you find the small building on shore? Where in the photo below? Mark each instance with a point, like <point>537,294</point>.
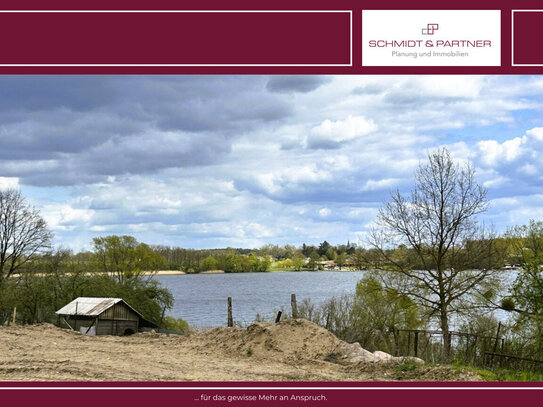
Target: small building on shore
<point>102,316</point>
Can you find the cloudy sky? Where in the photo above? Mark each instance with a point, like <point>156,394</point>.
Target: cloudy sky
<point>216,161</point>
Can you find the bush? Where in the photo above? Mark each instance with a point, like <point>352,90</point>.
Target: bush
<point>175,324</point>
<point>370,317</point>
<point>56,279</point>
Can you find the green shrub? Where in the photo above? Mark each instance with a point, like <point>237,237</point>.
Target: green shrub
<point>175,324</point>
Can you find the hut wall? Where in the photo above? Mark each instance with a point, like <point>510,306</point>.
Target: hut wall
<point>78,322</point>
<point>119,312</point>
<point>116,327</point>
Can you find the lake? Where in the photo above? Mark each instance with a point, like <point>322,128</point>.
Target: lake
<point>200,299</point>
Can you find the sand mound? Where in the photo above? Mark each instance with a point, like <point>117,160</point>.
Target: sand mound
<point>297,338</point>
<point>293,339</point>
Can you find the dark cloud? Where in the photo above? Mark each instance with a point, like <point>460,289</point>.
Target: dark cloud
<point>291,145</point>
<point>349,190</point>
<point>295,83</point>
<point>368,89</point>
<point>142,154</point>
<point>94,126</point>
<point>405,97</point>
<point>77,93</point>
<point>318,143</point>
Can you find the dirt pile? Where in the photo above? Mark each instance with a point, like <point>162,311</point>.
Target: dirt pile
<point>294,339</point>
<point>292,350</point>
<point>291,339</point>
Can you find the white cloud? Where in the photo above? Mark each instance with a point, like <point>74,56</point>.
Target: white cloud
<point>64,216</point>
<point>9,183</point>
<point>450,86</point>
<point>525,151</point>
<point>372,185</point>
<point>344,130</point>
<point>324,212</point>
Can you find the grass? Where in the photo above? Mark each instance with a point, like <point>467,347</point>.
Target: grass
<point>249,351</point>
<point>276,266</point>
<point>503,375</point>
<point>406,365</point>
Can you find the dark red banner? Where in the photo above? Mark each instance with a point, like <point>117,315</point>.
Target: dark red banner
<point>527,26</point>
<point>175,38</point>
<point>285,395</point>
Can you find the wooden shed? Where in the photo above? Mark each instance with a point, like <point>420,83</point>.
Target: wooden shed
<point>102,316</point>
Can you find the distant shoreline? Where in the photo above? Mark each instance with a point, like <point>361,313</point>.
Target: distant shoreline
<point>178,272</point>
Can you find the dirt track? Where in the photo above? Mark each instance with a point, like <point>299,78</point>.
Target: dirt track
<point>289,351</point>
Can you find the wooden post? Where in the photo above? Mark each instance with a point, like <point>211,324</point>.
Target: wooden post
<point>467,348</point>
<point>497,337</point>
<point>408,342</point>
<point>396,334</point>
<point>66,322</point>
<point>416,344</point>
<point>474,353</point>
<point>278,317</point>
<point>162,319</point>
<point>75,319</point>
<point>294,306</point>
<point>14,319</point>
<point>90,326</point>
<point>496,343</point>
<point>230,320</point>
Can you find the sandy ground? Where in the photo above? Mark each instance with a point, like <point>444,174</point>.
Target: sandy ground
<point>292,350</point>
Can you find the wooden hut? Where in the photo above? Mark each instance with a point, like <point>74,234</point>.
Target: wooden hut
<point>102,316</point>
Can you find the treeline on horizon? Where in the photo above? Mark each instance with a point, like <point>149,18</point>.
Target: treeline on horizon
<point>306,257</point>
<point>349,256</point>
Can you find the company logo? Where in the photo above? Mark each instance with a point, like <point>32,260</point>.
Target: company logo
<point>430,28</point>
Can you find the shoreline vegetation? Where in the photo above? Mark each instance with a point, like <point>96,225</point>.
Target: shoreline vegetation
<point>183,273</point>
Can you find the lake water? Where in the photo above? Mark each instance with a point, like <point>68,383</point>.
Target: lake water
<point>201,299</point>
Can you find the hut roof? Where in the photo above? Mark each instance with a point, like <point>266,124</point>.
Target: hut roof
<point>94,306</point>
<point>91,306</point>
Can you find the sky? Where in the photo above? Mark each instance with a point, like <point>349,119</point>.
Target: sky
<point>242,161</point>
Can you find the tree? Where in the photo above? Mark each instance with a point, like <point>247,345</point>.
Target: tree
<point>23,233</point>
<point>378,311</point>
<point>448,255</point>
<point>359,258</point>
<point>526,299</point>
<point>209,263</point>
<point>124,258</point>
<point>323,247</point>
<point>331,254</point>
<point>298,260</point>
<point>341,259</point>
<point>313,259</point>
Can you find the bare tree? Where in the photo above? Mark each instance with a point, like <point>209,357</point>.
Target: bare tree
<point>441,254</point>
<point>23,233</point>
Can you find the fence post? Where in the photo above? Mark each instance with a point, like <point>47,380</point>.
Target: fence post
<point>474,353</point>
<point>396,333</point>
<point>466,357</point>
<point>495,344</point>
<point>14,319</point>
<point>294,306</point>
<point>416,344</point>
<point>230,320</point>
<point>497,337</point>
<point>278,317</point>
